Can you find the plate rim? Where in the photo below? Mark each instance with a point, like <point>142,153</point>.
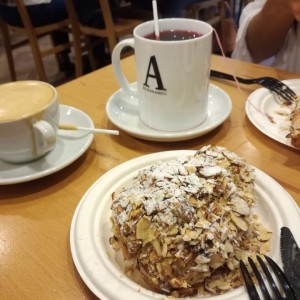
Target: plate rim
<point>162,136</point>
<point>128,166</point>
<point>52,170</point>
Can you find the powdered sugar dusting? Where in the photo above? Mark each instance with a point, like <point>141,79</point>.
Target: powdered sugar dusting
<point>165,188</point>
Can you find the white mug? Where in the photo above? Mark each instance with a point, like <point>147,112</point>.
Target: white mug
<point>29,115</point>
<point>172,76</point>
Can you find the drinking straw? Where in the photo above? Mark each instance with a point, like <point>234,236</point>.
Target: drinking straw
<point>155,17</point>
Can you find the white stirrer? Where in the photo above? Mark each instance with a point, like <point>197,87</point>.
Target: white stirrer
<point>155,17</point>
<point>92,130</point>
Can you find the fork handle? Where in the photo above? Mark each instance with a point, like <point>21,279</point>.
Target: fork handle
<point>222,75</point>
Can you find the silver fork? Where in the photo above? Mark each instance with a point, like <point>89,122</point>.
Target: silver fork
<point>270,83</point>
<point>281,290</point>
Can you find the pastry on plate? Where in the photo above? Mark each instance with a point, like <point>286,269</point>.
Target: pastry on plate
<point>184,224</point>
<point>295,124</point>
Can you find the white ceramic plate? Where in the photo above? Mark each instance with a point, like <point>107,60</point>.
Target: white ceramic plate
<point>70,145</point>
<point>262,104</point>
<point>101,267</point>
<point>123,112</point>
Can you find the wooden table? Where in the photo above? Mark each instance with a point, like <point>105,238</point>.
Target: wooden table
<point>35,217</point>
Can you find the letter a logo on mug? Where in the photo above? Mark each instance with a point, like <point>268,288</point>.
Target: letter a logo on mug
<point>172,72</point>
<point>156,76</point>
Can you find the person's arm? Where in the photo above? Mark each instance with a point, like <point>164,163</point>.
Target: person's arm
<point>268,29</point>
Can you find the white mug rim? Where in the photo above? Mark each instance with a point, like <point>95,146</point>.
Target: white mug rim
<point>37,111</point>
<point>182,20</point>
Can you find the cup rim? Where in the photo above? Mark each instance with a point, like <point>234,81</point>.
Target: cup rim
<point>37,111</point>
<point>183,20</point>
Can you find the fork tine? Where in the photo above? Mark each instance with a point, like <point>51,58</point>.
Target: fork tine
<point>278,87</point>
<point>281,289</point>
<point>269,278</point>
<point>259,279</point>
<point>252,292</point>
<point>287,89</point>
<point>290,99</point>
<point>285,94</point>
<point>286,286</point>
<point>279,92</point>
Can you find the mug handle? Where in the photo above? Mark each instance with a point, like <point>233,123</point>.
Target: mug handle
<point>45,136</point>
<point>116,63</point>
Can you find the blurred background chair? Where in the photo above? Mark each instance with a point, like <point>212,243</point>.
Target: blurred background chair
<point>82,42</point>
<point>114,29</point>
<point>219,14</point>
<point>31,36</point>
<point>210,11</point>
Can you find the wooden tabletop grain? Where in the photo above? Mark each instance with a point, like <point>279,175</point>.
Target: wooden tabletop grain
<point>35,216</point>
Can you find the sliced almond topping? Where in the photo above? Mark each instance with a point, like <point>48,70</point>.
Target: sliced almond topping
<point>239,222</point>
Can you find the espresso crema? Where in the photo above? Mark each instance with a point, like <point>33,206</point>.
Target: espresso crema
<point>22,99</point>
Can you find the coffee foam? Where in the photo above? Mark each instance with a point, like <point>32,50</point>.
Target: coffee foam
<point>22,99</point>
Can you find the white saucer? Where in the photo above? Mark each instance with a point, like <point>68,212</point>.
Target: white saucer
<point>123,112</point>
<point>263,106</point>
<point>70,145</point>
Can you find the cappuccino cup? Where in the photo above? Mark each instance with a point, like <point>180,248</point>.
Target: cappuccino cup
<point>172,72</point>
<point>29,115</point>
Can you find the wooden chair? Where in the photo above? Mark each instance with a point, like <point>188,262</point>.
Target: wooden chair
<point>210,11</point>
<point>214,13</point>
<point>111,33</point>
<point>32,35</point>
